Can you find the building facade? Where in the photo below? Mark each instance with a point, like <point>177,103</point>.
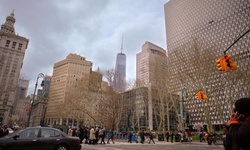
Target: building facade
<point>21,103</point>
<point>198,33</point>
<point>66,74</point>
<point>146,62</point>
<point>12,52</point>
<point>150,73</point>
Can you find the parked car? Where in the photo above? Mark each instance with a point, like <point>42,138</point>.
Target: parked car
<point>39,138</point>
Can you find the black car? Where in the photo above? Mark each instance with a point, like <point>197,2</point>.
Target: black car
<point>39,138</point>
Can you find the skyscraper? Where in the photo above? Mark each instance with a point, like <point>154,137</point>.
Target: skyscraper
<point>12,51</point>
<point>198,33</point>
<point>146,62</point>
<point>120,72</point>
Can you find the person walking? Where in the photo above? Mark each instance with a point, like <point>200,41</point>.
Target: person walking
<point>142,136</point>
<point>239,125</point>
<point>151,137</point>
<point>102,135</point>
<point>111,136</point>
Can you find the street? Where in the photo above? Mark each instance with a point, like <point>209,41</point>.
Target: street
<point>157,146</point>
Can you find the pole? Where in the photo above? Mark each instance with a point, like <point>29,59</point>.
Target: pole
<point>183,113</point>
<point>40,75</point>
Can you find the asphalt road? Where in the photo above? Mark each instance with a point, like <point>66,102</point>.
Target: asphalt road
<point>157,146</point>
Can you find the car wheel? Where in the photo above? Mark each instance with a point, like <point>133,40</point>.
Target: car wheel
<point>62,147</point>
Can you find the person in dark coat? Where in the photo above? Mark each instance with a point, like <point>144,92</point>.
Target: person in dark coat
<point>151,137</point>
<point>239,125</point>
<point>167,136</point>
<point>142,136</point>
<point>172,137</point>
<point>130,137</point>
<point>227,139</point>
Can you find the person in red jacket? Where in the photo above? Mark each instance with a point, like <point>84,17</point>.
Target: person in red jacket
<point>239,125</point>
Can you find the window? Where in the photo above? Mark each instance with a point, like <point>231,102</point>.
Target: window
<point>49,133</point>
<point>7,43</point>
<point>20,46</point>
<point>14,45</point>
<point>31,133</point>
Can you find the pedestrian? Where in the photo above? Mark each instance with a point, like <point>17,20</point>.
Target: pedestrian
<point>92,136</point>
<point>96,135</point>
<point>172,137</point>
<point>130,137</point>
<point>189,135</point>
<point>227,139</point>
<point>102,135</point>
<point>239,125</point>
<point>70,131</point>
<point>151,137</point>
<point>111,136</point>
<point>85,134</point>
<point>167,136</point>
<point>80,134</point>
<point>142,136</point>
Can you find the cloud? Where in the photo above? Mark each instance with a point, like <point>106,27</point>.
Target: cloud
<point>90,28</point>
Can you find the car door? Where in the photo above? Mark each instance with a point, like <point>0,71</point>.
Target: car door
<point>49,139</point>
<point>28,140</point>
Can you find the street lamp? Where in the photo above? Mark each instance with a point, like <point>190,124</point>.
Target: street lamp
<point>40,75</point>
<point>184,90</point>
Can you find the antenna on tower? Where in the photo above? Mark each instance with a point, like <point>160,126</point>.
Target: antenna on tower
<point>122,44</point>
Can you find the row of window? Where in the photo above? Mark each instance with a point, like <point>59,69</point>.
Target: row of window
<point>7,45</point>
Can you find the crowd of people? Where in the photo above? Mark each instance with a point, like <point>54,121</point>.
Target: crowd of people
<point>97,135</point>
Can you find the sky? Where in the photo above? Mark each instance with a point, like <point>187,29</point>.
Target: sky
<point>90,28</point>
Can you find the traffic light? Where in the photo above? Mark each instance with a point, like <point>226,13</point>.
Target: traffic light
<point>199,95</point>
<point>226,64</point>
<point>230,63</point>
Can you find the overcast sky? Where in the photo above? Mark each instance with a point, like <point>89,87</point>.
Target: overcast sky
<point>90,28</point>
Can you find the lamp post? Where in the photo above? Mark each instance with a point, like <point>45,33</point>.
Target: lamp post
<point>40,75</point>
<point>184,90</point>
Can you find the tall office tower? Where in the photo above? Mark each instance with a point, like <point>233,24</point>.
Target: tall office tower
<point>65,74</point>
<point>120,72</point>
<point>12,51</point>
<point>146,62</point>
<point>198,33</point>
